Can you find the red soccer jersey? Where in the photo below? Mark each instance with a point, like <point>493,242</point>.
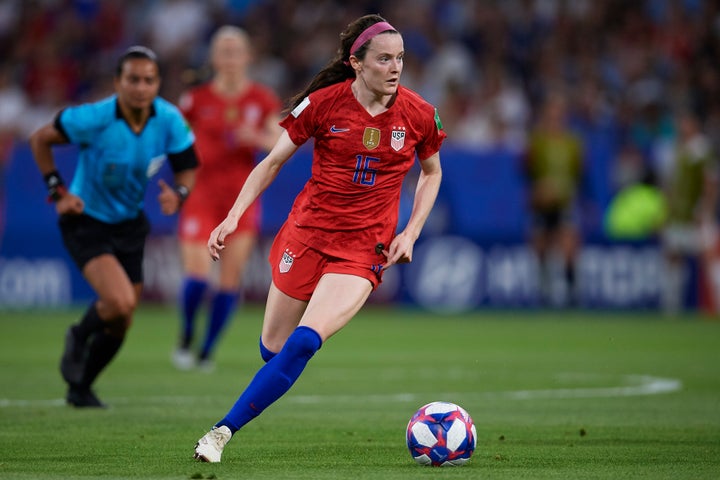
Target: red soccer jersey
<point>224,162</point>
<point>351,201</point>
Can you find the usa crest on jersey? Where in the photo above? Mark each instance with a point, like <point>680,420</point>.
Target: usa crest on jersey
<point>286,261</point>
<point>397,138</point>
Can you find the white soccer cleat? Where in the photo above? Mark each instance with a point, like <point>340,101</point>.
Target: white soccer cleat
<point>206,366</point>
<point>210,447</point>
<point>183,359</point>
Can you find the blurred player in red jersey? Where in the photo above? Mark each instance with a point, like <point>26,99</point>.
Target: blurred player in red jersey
<point>232,117</point>
<point>340,234</point>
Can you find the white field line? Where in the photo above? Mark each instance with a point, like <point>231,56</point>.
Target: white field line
<point>638,385</point>
<point>632,385</point>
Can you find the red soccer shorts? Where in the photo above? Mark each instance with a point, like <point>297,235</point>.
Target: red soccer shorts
<point>201,214</point>
<point>297,268</point>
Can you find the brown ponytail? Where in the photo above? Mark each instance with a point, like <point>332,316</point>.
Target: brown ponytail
<point>339,69</point>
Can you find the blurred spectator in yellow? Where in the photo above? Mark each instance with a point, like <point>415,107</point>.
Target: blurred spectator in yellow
<point>554,167</point>
<point>691,194</point>
<point>637,212</point>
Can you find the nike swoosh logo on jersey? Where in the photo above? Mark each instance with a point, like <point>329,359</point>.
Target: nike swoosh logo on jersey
<point>333,129</point>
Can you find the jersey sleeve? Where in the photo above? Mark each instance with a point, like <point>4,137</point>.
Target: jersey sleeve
<point>80,123</point>
<point>180,136</point>
<point>301,122</point>
<point>433,134</point>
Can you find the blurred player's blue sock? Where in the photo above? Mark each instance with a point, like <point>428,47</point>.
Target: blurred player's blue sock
<point>191,296</point>
<point>222,305</point>
<point>266,354</point>
<point>274,378</point>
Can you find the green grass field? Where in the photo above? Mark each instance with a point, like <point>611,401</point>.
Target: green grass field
<point>554,396</point>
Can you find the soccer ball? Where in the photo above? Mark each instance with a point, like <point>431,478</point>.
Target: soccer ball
<point>441,434</point>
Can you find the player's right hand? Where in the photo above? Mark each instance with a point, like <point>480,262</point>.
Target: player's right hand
<point>69,204</point>
<point>216,242</point>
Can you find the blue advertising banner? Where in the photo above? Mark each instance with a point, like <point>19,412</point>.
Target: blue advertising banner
<point>472,253</point>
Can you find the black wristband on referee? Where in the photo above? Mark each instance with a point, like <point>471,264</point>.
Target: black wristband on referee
<point>55,186</point>
<point>182,192</point>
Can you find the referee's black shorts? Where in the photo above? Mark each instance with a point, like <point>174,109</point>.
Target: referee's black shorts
<point>86,238</point>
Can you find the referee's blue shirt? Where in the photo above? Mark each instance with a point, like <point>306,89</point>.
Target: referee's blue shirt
<point>115,163</point>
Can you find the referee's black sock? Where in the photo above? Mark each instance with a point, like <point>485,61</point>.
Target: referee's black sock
<point>90,323</point>
<point>101,351</point>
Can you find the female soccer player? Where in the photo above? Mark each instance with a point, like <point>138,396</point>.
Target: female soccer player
<point>340,235</point>
<point>232,117</point>
<point>123,140</point>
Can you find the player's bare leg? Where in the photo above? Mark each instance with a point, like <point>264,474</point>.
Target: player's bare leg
<point>282,316</point>
<point>94,342</point>
<point>336,300</point>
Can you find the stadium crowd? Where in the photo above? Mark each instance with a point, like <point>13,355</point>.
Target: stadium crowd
<point>624,67</point>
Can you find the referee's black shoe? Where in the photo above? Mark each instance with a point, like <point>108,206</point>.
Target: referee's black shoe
<point>83,397</point>
<point>72,363</point>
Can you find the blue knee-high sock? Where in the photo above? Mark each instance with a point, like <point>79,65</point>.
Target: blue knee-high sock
<point>222,305</point>
<point>274,378</point>
<point>191,296</point>
<point>265,353</point>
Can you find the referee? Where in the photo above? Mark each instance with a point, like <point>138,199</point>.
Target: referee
<point>122,140</point>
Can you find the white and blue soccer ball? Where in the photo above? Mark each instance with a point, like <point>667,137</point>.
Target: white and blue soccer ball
<point>441,434</point>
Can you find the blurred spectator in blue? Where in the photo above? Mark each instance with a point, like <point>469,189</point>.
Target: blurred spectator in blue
<point>652,128</point>
<point>494,114</point>
<point>592,116</point>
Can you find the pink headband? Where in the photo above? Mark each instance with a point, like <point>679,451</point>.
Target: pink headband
<point>369,33</point>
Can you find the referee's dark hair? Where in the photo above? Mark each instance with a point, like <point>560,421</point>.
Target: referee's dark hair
<point>136,51</point>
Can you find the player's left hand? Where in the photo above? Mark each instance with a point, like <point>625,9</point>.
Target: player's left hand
<point>168,198</point>
<point>400,250</point>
